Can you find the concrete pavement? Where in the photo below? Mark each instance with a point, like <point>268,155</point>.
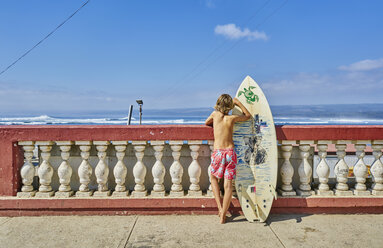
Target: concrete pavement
<point>192,231</point>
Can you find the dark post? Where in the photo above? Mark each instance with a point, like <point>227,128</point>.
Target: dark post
<point>130,114</point>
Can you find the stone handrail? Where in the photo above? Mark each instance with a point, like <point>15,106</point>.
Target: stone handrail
<point>178,156</point>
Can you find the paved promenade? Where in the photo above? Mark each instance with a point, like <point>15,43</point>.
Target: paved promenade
<point>192,231</point>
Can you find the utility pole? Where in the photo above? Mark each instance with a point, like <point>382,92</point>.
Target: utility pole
<point>140,102</point>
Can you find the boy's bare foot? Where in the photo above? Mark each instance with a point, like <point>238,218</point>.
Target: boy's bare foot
<point>223,219</point>
<point>228,214</point>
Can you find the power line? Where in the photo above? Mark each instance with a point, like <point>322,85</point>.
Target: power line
<point>41,41</point>
<point>230,48</point>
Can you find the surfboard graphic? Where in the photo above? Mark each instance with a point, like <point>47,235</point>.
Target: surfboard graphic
<point>256,147</point>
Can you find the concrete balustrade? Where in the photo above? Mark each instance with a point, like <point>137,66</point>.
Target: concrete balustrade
<point>168,161</point>
<point>165,162</point>
<point>93,160</point>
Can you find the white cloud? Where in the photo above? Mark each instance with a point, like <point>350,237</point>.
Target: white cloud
<point>364,65</point>
<point>231,31</point>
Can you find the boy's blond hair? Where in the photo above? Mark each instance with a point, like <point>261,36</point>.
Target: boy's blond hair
<point>224,104</point>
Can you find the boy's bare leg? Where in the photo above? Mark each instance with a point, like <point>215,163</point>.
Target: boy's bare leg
<point>216,192</point>
<point>228,186</point>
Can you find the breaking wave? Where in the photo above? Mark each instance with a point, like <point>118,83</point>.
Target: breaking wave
<point>48,120</point>
<point>279,120</point>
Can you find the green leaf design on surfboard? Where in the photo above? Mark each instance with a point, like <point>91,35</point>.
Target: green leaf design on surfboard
<point>250,96</point>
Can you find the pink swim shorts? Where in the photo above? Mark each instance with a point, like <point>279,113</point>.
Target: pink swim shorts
<point>224,163</point>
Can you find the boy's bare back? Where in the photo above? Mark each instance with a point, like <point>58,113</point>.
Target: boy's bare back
<point>223,125</point>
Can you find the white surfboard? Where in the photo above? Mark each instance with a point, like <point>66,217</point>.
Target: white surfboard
<point>256,147</point>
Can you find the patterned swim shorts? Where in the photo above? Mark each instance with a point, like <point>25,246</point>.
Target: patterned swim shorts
<point>224,163</point>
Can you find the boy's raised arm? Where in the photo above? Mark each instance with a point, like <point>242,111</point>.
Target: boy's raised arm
<point>209,120</point>
<point>246,113</point>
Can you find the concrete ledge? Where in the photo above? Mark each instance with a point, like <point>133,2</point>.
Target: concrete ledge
<point>329,132</point>
<point>328,205</point>
<point>179,132</point>
<point>14,206</point>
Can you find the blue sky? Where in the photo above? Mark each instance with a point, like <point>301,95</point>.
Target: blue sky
<point>176,54</point>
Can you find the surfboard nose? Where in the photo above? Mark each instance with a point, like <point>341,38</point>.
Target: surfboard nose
<point>248,78</point>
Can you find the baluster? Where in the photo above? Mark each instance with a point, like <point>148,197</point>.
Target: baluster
<point>120,169</point>
<point>65,170</point>
<point>341,170</point>
<point>287,170</point>
<point>139,170</point>
<point>45,171</point>
<point>304,169</point>
<point>176,170</point>
<point>360,170</point>
<point>84,170</point>
<point>158,169</point>
<point>27,171</point>
<point>194,169</point>
<point>36,155</point>
<point>323,170</point>
<point>210,190</point>
<point>377,168</point>
<point>102,169</point>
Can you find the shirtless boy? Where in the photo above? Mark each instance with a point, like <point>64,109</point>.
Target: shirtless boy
<point>224,159</point>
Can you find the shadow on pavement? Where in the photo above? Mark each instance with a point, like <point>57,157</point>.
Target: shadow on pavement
<point>283,217</point>
<point>236,217</point>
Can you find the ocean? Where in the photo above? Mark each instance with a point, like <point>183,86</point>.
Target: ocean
<point>334,114</point>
